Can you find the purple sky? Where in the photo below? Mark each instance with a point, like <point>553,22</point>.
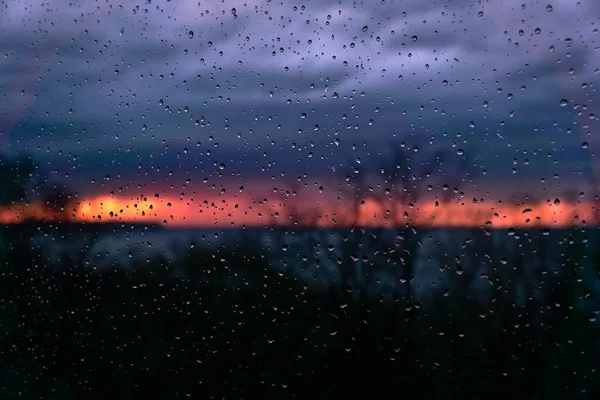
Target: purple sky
<point>107,95</point>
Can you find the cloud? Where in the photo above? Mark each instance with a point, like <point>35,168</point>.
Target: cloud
<point>273,81</point>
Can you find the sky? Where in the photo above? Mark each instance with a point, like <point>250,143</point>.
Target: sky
<point>202,98</point>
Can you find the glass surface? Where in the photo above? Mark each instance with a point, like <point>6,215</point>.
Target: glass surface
<point>323,199</point>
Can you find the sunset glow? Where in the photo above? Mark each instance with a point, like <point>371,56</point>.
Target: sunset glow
<point>240,211</point>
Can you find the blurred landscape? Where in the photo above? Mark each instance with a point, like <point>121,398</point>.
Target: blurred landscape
<point>329,199</point>
<point>297,312</point>
<point>128,310</point>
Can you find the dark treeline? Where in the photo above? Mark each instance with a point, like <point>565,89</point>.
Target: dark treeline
<point>227,325</point>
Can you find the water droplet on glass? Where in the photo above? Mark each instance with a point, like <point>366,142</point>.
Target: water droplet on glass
<point>480,14</point>
<point>414,38</point>
<point>191,34</point>
<point>549,8</point>
<point>365,28</point>
<point>563,102</point>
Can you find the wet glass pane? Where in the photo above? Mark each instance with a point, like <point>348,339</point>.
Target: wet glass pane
<point>325,199</point>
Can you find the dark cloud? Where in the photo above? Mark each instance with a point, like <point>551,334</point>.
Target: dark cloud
<point>94,89</point>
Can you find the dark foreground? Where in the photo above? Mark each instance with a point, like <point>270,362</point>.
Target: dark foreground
<point>239,329</point>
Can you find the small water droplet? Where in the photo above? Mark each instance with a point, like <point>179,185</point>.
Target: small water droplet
<point>365,28</point>
<point>563,102</point>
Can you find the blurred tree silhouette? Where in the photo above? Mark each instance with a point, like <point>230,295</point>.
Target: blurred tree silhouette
<point>20,179</point>
<point>56,198</point>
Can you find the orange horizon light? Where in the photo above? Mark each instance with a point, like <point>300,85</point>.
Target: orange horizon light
<point>244,211</point>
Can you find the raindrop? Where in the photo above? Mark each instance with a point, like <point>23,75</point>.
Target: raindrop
<point>564,102</point>
<point>414,38</point>
<point>480,14</point>
<point>549,8</point>
<point>191,34</point>
<point>365,28</point>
